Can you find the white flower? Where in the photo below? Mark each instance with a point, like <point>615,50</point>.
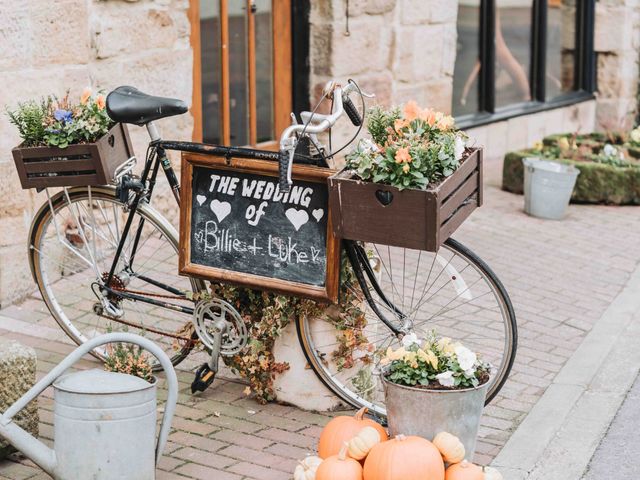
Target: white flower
<point>466,358</point>
<point>609,150</point>
<point>410,339</point>
<point>446,379</point>
<point>470,373</point>
<point>635,135</point>
<point>458,148</point>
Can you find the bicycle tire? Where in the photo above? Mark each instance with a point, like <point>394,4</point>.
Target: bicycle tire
<point>38,229</point>
<point>317,362</point>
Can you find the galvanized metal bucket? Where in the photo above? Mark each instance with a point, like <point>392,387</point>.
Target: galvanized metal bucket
<point>423,412</point>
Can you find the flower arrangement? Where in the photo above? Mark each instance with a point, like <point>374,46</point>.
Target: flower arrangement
<point>59,123</point>
<point>409,148</point>
<point>435,363</point>
<point>130,359</point>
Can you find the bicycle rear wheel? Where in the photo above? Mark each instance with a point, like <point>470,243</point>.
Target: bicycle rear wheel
<point>452,292</point>
<point>73,241</point>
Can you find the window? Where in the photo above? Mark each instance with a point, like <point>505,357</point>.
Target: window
<point>520,56</point>
<point>242,70</point>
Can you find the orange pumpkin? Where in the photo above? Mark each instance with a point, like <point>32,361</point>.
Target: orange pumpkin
<point>339,467</point>
<point>342,429</point>
<point>404,458</point>
<point>464,470</point>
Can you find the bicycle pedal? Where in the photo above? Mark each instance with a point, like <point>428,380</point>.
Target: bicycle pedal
<point>204,377</point>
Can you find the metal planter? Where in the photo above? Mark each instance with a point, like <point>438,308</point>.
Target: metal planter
<point>423,412</point>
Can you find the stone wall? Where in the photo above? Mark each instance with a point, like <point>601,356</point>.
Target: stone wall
<point>48,46</point>
<point>617,46</point>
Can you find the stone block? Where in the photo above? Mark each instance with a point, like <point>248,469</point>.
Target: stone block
<point>367,49</point>
<point>613,28</point>
<point>18,374</point>
<point>143,27</point>
<point>444,12</point>
<point>15,276</point>
<point>416,12</point>
<point>299,385</point>
<point>60,32</point>
<point>412,64</point>
<point>370,7</point>
<point>15,27</point>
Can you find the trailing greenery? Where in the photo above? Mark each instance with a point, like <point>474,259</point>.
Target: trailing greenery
<point>412,148</point>
<point>58,122</point>
<point>266,314</point>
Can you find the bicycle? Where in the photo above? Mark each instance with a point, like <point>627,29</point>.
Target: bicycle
<point>104,257</point>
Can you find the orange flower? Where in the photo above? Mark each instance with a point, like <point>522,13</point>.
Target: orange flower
<point>86,95</point>
<point>405,168</point>
<point>101,102</point>
<point>428,116</point>
<point>399,124</point>
<point>411,111</point>
<point>403,155</point>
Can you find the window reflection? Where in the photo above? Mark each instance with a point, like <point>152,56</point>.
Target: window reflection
<point>561,38</point>
<point>467,67</point>
<point>210,68</point>
<point>264,70</point>
<point>238,73</point>
<point>513,51</point>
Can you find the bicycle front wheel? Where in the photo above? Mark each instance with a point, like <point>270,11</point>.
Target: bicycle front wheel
<point>451,291</point>
<point>73,241</point>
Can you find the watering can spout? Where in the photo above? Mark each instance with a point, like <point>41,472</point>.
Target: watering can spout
<point>37,451</point>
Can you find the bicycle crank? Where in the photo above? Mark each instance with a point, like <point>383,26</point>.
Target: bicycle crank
<point>206,319</point>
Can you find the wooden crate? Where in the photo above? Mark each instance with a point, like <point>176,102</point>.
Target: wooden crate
<point>419,219</point>
<point>76,165</point>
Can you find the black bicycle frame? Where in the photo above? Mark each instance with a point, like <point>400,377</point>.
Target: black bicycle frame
<point>158,158</point>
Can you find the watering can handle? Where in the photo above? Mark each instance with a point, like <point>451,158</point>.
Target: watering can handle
<point>78,353</point>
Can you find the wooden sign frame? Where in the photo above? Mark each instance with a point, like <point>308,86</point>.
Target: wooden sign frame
<point>326,293</point>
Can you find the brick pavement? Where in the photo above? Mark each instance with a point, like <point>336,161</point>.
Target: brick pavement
<point>561,277</point>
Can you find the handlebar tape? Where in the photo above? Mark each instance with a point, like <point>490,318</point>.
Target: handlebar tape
<point>351,111</point>
<point>283,164</point>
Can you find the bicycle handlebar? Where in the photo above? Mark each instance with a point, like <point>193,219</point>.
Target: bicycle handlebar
<point>314,123</point>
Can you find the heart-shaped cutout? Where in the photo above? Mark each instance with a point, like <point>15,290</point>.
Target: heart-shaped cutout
<point>221,209</point>
<point>318,213</point>
<point>385,197</point>
<point>297,217</point>
<point>201,199</point>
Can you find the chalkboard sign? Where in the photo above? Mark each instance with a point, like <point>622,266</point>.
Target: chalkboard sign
<point>236,226</point>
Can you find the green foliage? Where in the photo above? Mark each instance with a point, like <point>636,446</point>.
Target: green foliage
<point>29,119</point>
<point>435,363</point>
<point>59,123</point>
<point>409,149</point>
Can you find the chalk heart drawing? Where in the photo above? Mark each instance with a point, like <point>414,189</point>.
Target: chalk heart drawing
<point>318,213</point>
<point>199,237</point>
<point>221,209</point>
<point>297,217</point>
<point>201,199</point>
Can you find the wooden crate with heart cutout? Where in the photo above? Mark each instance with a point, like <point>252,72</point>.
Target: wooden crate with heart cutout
<point>418,219</point>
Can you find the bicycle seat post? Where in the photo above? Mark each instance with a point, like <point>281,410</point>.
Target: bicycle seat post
<point>153,131</point>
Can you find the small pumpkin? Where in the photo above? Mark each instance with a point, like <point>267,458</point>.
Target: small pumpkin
<point>464,470</point>
<point>450,447</point>
<point>339,467</point>
<point>342,429</point>
<point>363,442</point>
<point>404,458</point>
<point>306,469</point>
<point>491,473</point>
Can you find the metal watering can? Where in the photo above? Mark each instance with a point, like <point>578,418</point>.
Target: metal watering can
<point>104,422</point>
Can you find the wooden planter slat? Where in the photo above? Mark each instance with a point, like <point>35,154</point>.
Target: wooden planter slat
<point>76,165</point>
<point>418,219</point>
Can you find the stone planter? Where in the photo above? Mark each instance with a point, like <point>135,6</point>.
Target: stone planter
<point>597,182</point>
<point>424,412</point>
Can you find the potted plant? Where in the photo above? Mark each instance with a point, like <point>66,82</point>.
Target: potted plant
<point>432,386</point>
<point>414,176</point>
<point>66,143</point>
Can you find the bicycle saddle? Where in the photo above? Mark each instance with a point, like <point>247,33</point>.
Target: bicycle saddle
<point>130,105</point>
